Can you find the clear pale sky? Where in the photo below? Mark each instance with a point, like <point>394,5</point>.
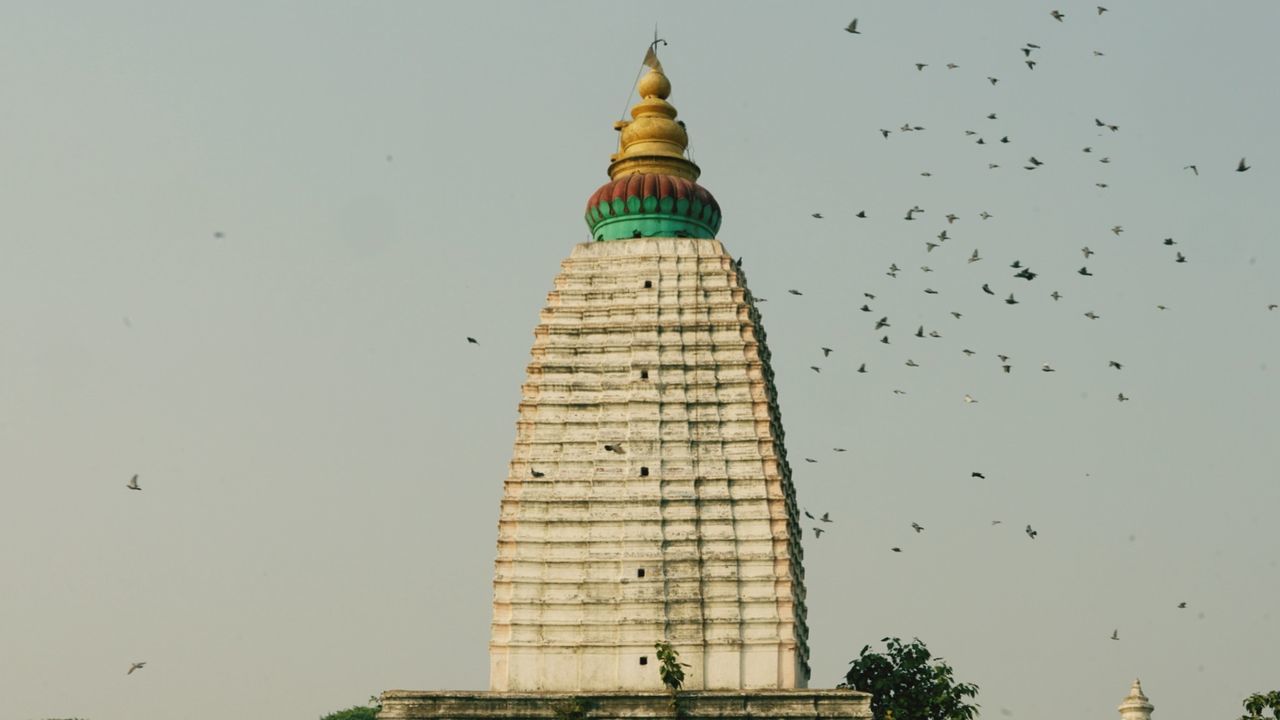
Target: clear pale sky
<point>322,453</point>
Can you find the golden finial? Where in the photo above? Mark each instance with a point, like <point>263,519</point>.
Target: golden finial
<point>652,142</point>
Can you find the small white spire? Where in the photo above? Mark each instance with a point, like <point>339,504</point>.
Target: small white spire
<point>1136,705</point>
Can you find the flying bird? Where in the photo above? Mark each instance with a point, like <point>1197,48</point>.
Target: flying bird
<point>1055,295</point>
<point>1046,367</point>
<point>817,533</point>
<point>1092,315</point>
<point>1085,271</point>
<point>882,322</point>
<point>985,215</point>
<point>817,215</point>
<point>1169,241</point>
<point>969,399</point>
<point>862,368</point>
<point>1181,258</point>
<point>1242,167</point>
<point>826,517</point>
<point>993,82</point>
<point>952,66</point>
<point>795,292</point>
<point>472,340</point>
<point>810,460</point>
<point>911,363</point>
<point>136,666</point>
<point>839,450</point>
<point>1031,533</point>
<point>1114,364</point>
<point>951,218</point>
<point>1117,229</point>
<point>1182,606</point>
<point>1101,9</point>
<point>1087,252</point>
<point>896,549</point>
<point>1057,15</point>
<point>809,515</point>
<point>986,288</point>
<point>815,368</point>
<point>917,527</point>
<point>1115,634</point>
<point>1193,169</point>
<point>826,352</point>
<point>978,475</point>
<point>133,483</point>
<point>1122,397</point>
<point>1010,301</point>
<point>861,214</point>
<point>1026,274</point>
<point>853,27</point>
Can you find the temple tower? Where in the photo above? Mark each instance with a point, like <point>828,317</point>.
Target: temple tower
<point>648,496</point>
<point>1136,706</point>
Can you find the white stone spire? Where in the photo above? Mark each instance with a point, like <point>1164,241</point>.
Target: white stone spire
<point>1136,706</point>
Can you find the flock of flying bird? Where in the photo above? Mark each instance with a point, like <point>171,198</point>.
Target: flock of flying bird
<point>1020,271</point>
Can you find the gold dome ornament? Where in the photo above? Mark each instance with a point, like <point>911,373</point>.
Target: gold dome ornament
<point>652,142</point>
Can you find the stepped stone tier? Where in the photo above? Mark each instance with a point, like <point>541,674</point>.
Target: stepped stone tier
<point>648,497</point>
<point>662,508</point>
<point>1136,706</point>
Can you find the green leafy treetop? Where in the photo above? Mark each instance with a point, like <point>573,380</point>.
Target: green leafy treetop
<point>359,712</point>
<point>907,683</point>
<point>1258,703</point>
<point>669,666</point>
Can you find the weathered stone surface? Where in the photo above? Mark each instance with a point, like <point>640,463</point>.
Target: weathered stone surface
<point>687,531</point>
<point>720,705</point>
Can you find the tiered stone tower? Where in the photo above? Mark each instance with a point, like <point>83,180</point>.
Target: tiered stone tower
<point>1136,706</point>
<point>649,496</point>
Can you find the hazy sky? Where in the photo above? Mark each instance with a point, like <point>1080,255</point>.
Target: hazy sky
<point>322,453</point>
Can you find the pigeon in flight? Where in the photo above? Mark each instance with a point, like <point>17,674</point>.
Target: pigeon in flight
<point>1242,167</point>
<point>1085,271</point>
<point>951,218</point>
<point>839,450</point>
<point>1046,367</point>
<point>136,666</point>
<point>817,216</point>
<point>911,363</point>
<point>917,527</point>
<point>826,352</point>
<point>853,27</point>
<point>810,460</point>
<point>969,399</point>
<point>809,515</point>
<point>795,292</point>
<point>1114,364</point>
<point>1092,315</point>
<point>921,66</point>
<point>1057,15</point>
<point>896,549</point>
<point>1169,241</point>
<point>1026,274</point>
<point>1182,606</point>
<point>861,214</point>
<point>815,368</point>
<point>985,215</point>
<point>133,483</point>
<point>1010,301</point>
<point>1115,634</point>
<point>1087,252</point>
<point>865,308</point>
<point>817,533</point>
<point>978,475</point>
<point>986,288</point>
<point>1055,295</point>
<point>826,517</point>
<point>1122,397</point>
<point>1193,169</point>
<point>862,368</point>
<point>920,332</point>
<point>1101,10</point>
<point>1181,258</point>
<point>952,66</point>
<point>1031,533</point>
<point>993,82</point>
<point>882,322</point>
<point>885,339</point>
<point>472,340</point>
<point>1117,230</point>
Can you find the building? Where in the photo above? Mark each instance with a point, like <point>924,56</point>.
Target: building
<point>648,496</point>
<point>1136,706</point>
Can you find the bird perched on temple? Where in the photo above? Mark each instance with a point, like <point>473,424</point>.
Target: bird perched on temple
<point>133,483</point>
<point>853,27</point>
<point>136,666</point>
<point>536,474</point>
<point>616,449</point>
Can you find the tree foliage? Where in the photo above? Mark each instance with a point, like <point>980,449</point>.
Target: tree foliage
<point>669,666</point>
<point>907,683</point>
<point>359,712</point>
<point>1258,703</point>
